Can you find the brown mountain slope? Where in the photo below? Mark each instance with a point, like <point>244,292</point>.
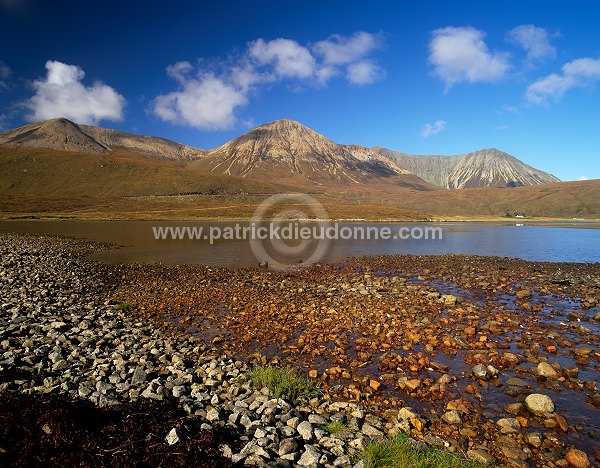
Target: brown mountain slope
<point>64,135</point>
<point>556,200</point>
<point>287,150</point>
<point>38,182</point>
<point>114,168</point>
<point>146,145</point>
<point>120,174</point>
<point>45,183</point>
<point>56,134</point>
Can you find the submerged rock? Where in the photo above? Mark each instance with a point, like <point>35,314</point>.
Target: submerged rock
<point>481,372</point>
<point>577,458</point>
<point>546,370</point>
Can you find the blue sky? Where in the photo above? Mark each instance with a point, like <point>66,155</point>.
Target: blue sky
<point>420,77</point>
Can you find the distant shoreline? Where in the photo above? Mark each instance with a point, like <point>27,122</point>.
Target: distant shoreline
<point>441,220</point>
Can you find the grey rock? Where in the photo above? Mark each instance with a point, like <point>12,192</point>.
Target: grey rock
<point>481,372</point>
<point>449,299</point>
<point>179,391</point>
<point>310,457</point>
<point>516,453</point>
<point>481,456</point>
<point>290,457</point>
<point>317,419</point>
<point>320,432</point>
<point>237,458</point>
<point>546,370</point>
<point>508,425</point>
<point>516,382</point>
<point>226,450</point>
<point>371,431</point>
<point>54,356</point>
<point>60,365</point>
<point>174,436</point>
<point>139,376</point>
<point>103,387</point>
<point>293,422</point>
<point>260,433</point>
<point>514,408</point>
<point>539,405</point>
<point>213,415</point>
<point>288,445</point>
<point>306,431</point>
<point>343,460</point>
<point>407,413</point>
<point>533,438</point>
<point>452,417</point>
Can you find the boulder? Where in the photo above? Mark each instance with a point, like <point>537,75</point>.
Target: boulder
<point>539,405</point>
<point>577,458</point>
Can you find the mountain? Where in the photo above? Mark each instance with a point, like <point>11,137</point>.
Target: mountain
<point>56,134</point>
<point>286,149</point>
<point>287,152</point>
<point>483,168</point>
<point>57,168</point>
<point>64,135</point>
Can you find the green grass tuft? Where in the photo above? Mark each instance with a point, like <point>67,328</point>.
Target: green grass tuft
<point>397,453</point>
<point>125,306</point>
<point>336,426</point>
<point>283,382</point>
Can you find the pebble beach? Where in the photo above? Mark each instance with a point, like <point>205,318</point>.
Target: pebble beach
<point>494,359</point>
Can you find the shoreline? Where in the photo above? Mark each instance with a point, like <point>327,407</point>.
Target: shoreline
<point>493,220</point>
<point>143,287</point>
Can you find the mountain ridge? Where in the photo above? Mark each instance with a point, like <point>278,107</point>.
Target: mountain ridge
<point>478,169</point>
<point>63,135</point>
<point>286,149</point>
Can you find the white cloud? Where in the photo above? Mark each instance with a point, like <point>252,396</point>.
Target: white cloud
<point>5,70</point>
<point>339,50</point>
<point>209,100</point>
<point>246,76</point>
<point>288,58</point>
<point>535,41</point>
<point>575,74</point>
<point>430,129</point>
<point>459,54</point>
<point>205,102</point>
<point>584,68</point>
<point>5,73</point>
<point>62,94</point>
<point>179,71</point>
<point>510,109</point>
<point>349,55</point>
<point>584,178</point>
<point>363,73</point>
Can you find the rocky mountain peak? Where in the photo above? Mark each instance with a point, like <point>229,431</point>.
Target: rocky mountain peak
<point>483,168</point>
<point>56,134</point>
<point>287,148</point>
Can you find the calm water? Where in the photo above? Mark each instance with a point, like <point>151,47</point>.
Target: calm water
<point>577,242</point>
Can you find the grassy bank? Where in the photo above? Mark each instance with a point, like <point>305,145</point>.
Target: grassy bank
<point>399,453</point>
